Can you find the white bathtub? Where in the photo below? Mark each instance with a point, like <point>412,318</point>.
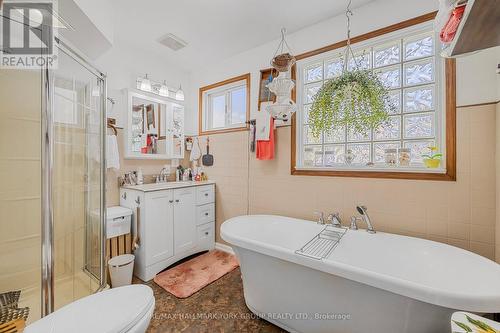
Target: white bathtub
<point>369,283</point>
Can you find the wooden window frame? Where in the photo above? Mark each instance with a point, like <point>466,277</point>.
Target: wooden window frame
<point>201,131</point>
<point>450,116</point>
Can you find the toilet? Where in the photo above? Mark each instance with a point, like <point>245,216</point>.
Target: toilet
<point>125,309</point>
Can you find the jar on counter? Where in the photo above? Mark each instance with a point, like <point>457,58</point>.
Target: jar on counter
<point>404,157</point>
<point>391,156</point>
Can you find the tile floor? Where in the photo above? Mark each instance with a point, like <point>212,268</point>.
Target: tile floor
<point>223,299</point>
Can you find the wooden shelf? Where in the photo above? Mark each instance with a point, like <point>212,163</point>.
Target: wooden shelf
<point>478,30</point>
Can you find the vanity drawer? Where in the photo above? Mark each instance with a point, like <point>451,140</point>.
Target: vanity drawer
<point>206,236</point>
<point>205,194</point>
<point>205,214</point>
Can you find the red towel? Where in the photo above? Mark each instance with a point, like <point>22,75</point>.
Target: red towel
<point>450,28</point>
<point>265,149</point>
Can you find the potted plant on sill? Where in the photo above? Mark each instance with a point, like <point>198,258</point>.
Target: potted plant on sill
<point>433,159</point>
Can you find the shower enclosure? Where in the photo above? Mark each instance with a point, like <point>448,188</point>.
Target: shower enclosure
<point>52,182</point>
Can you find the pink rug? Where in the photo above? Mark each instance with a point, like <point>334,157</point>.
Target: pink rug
<point>189,277</point>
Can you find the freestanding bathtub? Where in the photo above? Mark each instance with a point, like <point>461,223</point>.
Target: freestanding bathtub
<point>369,283</point>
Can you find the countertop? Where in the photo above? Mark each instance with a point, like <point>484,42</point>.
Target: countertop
<point>166,186</point>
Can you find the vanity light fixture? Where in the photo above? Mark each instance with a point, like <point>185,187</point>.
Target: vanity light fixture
<point>163,91</point>
<point>145,84</point>
<point>179,95</point>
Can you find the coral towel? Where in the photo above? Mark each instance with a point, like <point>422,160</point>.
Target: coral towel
<point>450,28</point>
<point>265,148</point>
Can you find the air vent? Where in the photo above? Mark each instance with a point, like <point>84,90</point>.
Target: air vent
<point>172,42</point>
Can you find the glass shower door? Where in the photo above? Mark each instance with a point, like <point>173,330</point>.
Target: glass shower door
<point>20,188</point>
<point>77,178</point>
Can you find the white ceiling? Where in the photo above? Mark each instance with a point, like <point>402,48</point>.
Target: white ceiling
<point>215,29</point>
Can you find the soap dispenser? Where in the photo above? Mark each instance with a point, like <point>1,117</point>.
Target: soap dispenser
<point>140,177</point>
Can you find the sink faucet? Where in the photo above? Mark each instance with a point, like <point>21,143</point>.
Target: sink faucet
<point>364,214</point>
<point>162,176</point>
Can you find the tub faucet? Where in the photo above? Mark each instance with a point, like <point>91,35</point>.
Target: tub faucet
<point>321,217</point>
<point>364,214</point>
<point>334,220</point>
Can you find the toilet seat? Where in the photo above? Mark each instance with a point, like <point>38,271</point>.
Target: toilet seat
<point>116,310</point>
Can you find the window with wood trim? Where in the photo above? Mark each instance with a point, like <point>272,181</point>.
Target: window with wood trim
<point>225,106</point>
<point>421,86</point>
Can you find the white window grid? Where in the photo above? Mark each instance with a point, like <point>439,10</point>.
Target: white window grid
<point>322,147</point>
<point>225,91</point>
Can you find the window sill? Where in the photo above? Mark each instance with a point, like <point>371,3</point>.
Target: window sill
<point>377,172</point>
<point>223,130</point>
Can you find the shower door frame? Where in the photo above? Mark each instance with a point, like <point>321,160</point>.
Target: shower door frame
<point>47,158</point>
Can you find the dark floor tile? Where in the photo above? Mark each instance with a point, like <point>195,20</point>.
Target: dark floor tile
<point>219,307</point>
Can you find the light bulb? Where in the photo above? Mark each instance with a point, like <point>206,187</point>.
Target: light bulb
<point>179,95</point>
<point>163,89</point>
<point>146,84</point>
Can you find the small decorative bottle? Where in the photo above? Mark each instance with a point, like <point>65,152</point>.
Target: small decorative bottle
<point>391,158</point>
<point>404,156</point>
<point>349,156</point>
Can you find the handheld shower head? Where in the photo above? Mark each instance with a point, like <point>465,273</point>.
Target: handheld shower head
<point>361,210</point>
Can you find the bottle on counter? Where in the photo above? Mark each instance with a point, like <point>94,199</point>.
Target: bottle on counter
<point>140,177</point>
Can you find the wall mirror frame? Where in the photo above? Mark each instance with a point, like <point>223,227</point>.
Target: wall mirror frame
<point>155,127</point>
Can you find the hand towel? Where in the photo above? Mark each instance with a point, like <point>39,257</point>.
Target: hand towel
<point>195,151</point>
<point>450,29</point>
<point>265,148</point>
<point>112,154</point>
<point>262,129</point>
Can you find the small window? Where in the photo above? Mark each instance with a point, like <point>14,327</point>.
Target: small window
<point>224,106</point>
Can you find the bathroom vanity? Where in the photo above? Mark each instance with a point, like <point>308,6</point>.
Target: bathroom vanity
<point>171,221</point>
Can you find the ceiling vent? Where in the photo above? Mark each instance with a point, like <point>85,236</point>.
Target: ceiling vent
<point>172,42</point>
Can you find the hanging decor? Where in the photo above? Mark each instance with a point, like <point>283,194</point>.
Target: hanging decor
<point>282,86</point>
<point>356,99</point>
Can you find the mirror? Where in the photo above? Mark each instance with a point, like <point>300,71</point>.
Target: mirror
<point>155,128</point>
<point>147,126</point>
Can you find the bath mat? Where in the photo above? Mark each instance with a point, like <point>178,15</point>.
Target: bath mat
<point>189,277</point>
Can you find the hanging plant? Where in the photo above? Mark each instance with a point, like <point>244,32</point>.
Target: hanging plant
<point>357,100</point>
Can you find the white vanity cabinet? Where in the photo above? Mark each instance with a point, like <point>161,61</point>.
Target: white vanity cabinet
<point>184,215</point>
<point>172,222</point>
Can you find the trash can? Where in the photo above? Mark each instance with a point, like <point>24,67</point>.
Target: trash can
<point>120,269</point>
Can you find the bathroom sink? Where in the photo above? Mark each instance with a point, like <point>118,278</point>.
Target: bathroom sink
<point>165,186</point>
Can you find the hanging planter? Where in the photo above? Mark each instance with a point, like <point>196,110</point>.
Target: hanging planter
<point>282,86</point>
<point>356,99</point>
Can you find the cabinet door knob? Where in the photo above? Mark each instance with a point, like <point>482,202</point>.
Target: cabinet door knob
<point>206,194</point>
<point>206,233</point>
<point>206,214</point>
<point>170,201</point>
<point>177,200</point>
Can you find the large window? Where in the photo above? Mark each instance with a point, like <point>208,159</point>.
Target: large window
<point>408,63</point>
<point>224,106</point>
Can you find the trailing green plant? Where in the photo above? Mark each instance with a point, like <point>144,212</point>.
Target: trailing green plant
<point>356,99</point>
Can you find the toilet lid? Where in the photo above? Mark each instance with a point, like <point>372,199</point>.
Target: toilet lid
<point>111,311</point>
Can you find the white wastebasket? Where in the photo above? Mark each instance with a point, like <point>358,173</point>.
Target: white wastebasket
<point>120,269</point>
